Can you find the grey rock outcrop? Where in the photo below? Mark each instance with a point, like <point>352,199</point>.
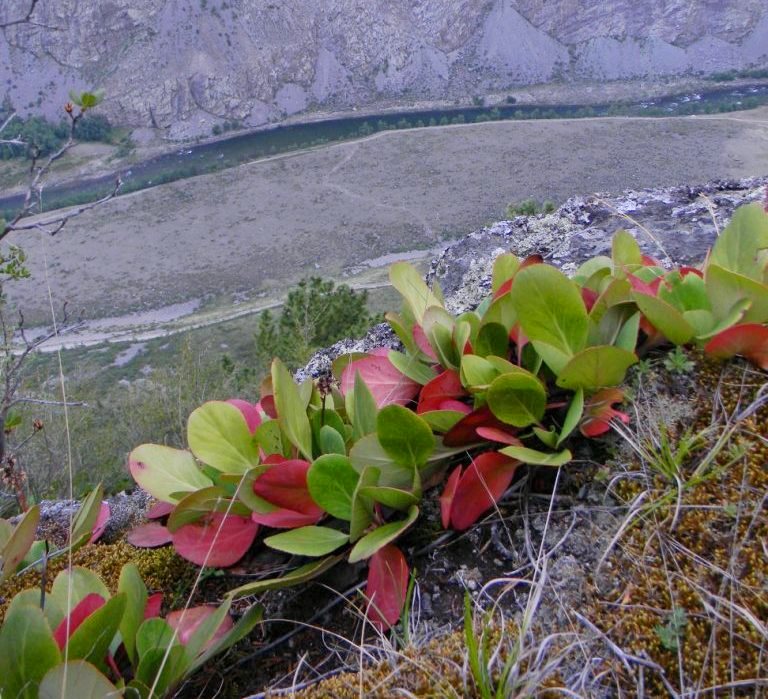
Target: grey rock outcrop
<point>185,65</point>
<point>677,224</point>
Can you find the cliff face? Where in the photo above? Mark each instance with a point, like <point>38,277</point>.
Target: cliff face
<point>187,64</point>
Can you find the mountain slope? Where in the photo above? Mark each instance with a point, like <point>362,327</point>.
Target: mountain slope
<point>187,64</point>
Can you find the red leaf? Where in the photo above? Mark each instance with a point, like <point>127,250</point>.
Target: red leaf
<point>153,606</point>
<point>384,381</point>
<point>643,287</point>
<point>465,430</point>
<point>159,509</point>
<point>250,412</point>
<point>649,261</point>
<point>285,486</point>
<point>87,606</point>
<point>101,522</point>
<point>446,499</point>
<point>531,260</point>
<point>216,540</point>
<point>690,270</point>
<point>598,412</point>
<point>481,485</point>
<point>445,386</point>
<point>495,434</point>
<point>267,404</point>
<point>505,288</point>
<point>750,340</point>
<point>589,297</point>
<point>420,338</point>
<point>150,535</point>
<point>387,586</point>
<point>186,622</point>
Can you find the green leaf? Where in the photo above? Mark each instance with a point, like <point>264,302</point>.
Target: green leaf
<point>153,634</point>
<point>162,670</point>
<point>439,328</point>
<point>596,367</point>
<point>732,317</point>
<point>476,373</point>
<point>408,281</point>
<point>207,629</point>
<point>83,583</point>
<point>6,529</point>
<point>218,435</point>
<point>546,437</point>
<point>363,410</point>
<point>331,442</point>
<point>202,502</point>
<point>404,436</point>
<point>441,420</point>
<point>538,458</point>
<point>308,541</point>
<point>686,293</point>
<point>572,417</point>
<point>738,246</point>
<point>381,536</point>
<point>162,471</point>
<point>493,339</point>
<point>362,506</point>
<point>625,250</point>
<point>27,651</point>
<point>505,267</point>
<point>245,493</point>
<point>291,409</point>
<point>85,519</point>
<point>411,367</point>
<point>332,481</point>
<point>271,439</point>
<point>77,678</point>
<point>131,584</point>
<point>368,452</point>
<point>390,497</point>
<point>593,269</point>
<point>664,317</point>
<point>627,336</point>
<point>91,640</point>
<point>725,289</point>
<point>296,577</point>
<point>19,543</point>
<point>550,311</point>
<point>241,629</point>
<point>517,398</point>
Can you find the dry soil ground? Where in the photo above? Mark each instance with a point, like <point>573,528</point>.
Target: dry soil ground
<point>259,227</point>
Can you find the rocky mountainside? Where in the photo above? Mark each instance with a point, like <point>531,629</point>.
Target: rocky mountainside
<point>185,65</point>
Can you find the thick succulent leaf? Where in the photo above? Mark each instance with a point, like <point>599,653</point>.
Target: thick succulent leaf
<point>416,294</point>
<point>19,543</point>
<point>517,398</point>
<point>464,432</point>
<point>538,458</point>
<point>686,292</point>
<point>85,520</point>
<point>550,309</point>
<point>162,670</point>
<point>201,503</point>
<point>251,412</point>
<point>331,481</point>
<point>444,387</point>
<point>153,634</point>
<point>492,339</point>
<point>625,251</point>
<point>481,485</point>
<point>572,417</point>
<point>381,536</point>
<point>216,540</point>
<point>149,535</point>
<point>726,288</point>
<point>219,435</point>
<point>271,439</point>
<point>291,409</point>
<point>411,367</point>
<point>285,485</point>
<point>665,318</point>
<point>362,506</point>
<point>599,411</point>
<point>92,638</point>
<point>361,408</point>
<point>331,441</point>
<point>395,498</point>
<point>135,591</point>
<point>404,436</point>
<point>442,421</point>
<point>738,247</point>
<point>83,583</point>
<point>447,496</point>
<point>308,541</point>
<point>385,382</point>
<point>477,373</point>
<point>439,328</point>
<point>591,271</point>
<point>81,611</point>
<point>162,471</point>
<point>299,576</point>
<point>77,678</point>
<point>505,267</point>
<point>27,650</point>
<point>749,340</point>
<point>596,367</point>
<point>387,586</point>
<point>199,627</point>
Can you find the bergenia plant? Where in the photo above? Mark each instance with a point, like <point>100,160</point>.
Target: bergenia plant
<point>107,645</point>
<point>337,469</point>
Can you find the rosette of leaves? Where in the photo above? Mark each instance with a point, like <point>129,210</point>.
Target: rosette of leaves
<point>107,645</point>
